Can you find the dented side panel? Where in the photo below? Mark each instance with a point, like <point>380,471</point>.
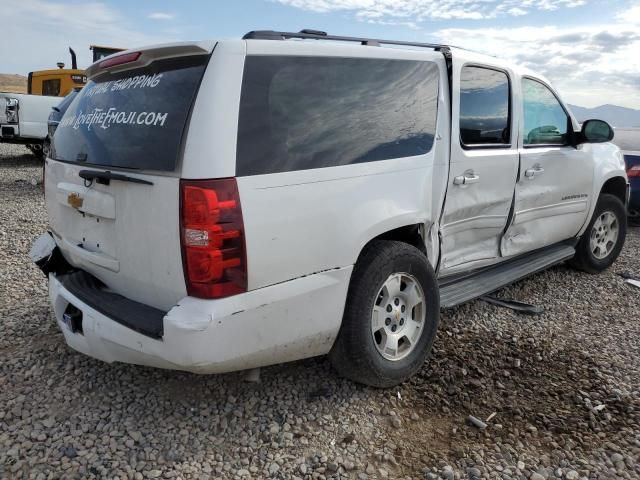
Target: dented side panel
<point>553,194</point>
<point>475,215</point>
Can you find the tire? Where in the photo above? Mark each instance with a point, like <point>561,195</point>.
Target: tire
<point>357,353</point>
<point>609,208</point>
<point>36,150</point>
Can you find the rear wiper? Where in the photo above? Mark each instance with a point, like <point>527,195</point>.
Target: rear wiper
<point>105,178</point>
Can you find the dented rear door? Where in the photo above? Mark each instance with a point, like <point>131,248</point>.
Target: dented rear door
<point>483,168</point>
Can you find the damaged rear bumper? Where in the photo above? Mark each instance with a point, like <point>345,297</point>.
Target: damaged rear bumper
<point>284,322</point>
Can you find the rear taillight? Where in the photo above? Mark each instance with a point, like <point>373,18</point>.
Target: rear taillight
<point>634,171</point>
<point>212,236</point>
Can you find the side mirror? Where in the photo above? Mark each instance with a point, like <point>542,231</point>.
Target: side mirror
<point>596,131</point>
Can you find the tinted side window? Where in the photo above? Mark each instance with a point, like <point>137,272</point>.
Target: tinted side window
<point>51,87</point>
<point>545,121</point>
<point>484,107</point>
<point>299,113</point>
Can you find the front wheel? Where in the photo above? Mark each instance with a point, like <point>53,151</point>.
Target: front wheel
<point>390,318</point>
<point>604,238</point>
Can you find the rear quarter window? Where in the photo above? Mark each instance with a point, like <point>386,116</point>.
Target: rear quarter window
<point>484,107</point>
<point>132,119</point>
<point>300,113</point>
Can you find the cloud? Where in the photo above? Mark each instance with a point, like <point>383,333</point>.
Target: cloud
<point>631,15</point>
<point>612,42</point>
<point>517,11</point>
<point>161,16</point>
<point>569,38</point>
<point>43,30</point>
<point>422,10</point>
<point>590,65</point>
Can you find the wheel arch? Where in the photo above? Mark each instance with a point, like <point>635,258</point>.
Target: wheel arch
<point>412,234</point>
<point>616,186</point>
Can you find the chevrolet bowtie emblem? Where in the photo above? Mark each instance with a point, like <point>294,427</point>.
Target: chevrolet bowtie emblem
<point>75,200</point>
<point>397,316</point>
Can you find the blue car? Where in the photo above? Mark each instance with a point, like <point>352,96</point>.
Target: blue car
<point>632,159</point>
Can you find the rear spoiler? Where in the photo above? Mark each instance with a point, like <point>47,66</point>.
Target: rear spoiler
<point>148,55</point>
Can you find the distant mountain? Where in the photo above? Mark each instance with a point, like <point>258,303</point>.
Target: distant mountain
<point>613,114</point>
<point>13,83</point>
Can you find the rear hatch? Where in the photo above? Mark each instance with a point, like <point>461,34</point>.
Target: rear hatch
<point>112,183</point>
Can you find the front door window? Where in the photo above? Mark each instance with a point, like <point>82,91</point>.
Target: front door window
<point>545,121</point>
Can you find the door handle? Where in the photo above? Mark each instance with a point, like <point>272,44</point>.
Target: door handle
<point>466,179</point>
<point>532,172</point>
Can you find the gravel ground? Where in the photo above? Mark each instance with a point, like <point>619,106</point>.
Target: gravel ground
<point>564,387</point>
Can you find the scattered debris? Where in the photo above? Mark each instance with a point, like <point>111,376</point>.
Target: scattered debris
<point>634,283</point>
<point>476,422</point>
<point>630,278</point>
<point>629,275</point>
<point>490,417</point>
<point>515,305</point>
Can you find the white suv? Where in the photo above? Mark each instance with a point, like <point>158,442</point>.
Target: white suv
<point>226,205</point>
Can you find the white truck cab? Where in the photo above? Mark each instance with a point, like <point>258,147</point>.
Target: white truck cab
<point>232,204</point>
<point>23,119</point>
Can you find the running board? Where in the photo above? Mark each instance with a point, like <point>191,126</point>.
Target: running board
<point>455,292</point>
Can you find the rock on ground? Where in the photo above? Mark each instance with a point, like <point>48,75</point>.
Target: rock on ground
<point>565,388</point>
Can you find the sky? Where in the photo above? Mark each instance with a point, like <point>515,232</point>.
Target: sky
<point>590,50</point>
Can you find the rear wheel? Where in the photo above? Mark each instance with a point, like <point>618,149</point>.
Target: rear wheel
<point>391,316</point>
<point>604,237</point>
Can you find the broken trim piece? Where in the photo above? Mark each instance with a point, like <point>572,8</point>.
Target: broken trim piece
<point>515,305</point>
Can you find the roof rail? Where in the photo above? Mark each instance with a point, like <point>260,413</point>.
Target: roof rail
<point>320,35</point>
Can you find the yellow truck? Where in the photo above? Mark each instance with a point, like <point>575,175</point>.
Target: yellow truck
<point>56,82</point>
<point>59,82</point>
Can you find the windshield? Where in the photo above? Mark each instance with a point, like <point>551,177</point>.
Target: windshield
<point>132,119</point>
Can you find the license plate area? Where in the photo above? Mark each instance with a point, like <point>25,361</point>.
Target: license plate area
<point>72,318</point>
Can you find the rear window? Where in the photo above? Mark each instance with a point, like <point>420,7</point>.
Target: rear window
<point>299,113</point>
<point>132,119</point>
<point>484,107</point>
